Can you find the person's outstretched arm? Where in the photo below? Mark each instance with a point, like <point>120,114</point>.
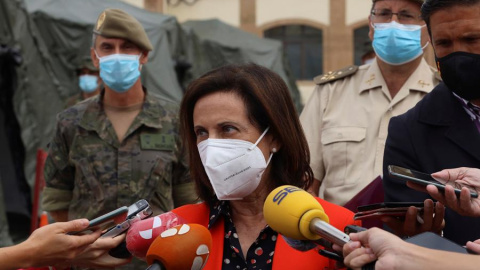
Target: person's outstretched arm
<point>50,245</point>
<point>393,253</point>
<point>466,179</point>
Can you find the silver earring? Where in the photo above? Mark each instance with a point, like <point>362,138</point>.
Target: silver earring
<point>274,150</point>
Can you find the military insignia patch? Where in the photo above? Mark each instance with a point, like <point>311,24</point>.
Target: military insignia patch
<point>100,20</point>
<point>162,142</point>
<point>332,76</point>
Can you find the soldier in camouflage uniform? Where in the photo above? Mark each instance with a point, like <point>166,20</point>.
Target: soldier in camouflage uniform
<point>122,145</point>
<point>89,82</point>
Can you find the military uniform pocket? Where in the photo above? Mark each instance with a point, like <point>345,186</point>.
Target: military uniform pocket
<point>160,184</point>
<point>88,194</point>
<point>154,178</point>
<point>342,147</point>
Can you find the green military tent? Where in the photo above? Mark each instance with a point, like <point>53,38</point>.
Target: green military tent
<point>212,43</point>
<point>25,115</point>
<point>52,36</point>
<point>66,28</point>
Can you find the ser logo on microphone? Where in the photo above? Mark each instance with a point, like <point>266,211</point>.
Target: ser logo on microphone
<point>281,194</point>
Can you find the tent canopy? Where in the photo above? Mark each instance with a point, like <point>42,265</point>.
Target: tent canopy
<point>66,28</point>
<point>213,43</point>
<point>55,35</point>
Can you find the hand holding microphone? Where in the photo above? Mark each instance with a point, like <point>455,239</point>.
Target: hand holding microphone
<point>181,247</point>
<point>295,213</point>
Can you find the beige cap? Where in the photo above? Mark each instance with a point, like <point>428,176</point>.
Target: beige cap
<point>116,23</point>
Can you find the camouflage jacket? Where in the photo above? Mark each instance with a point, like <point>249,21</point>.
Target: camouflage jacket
<point>89,172</point>
<point>73,100</point>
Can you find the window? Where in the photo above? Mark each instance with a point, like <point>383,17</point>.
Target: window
<point>363,46</point>
<point>302,46</point>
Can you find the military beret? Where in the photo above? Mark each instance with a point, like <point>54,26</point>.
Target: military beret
<point>417,1</point>
<point>87,63</point>
<point>116,23</point>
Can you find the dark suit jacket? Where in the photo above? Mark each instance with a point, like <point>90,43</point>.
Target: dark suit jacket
<point>436,134</point>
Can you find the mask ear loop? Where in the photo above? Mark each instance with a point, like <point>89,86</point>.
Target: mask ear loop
<point>428,41</point>
<point>259,139</point>
<point>270,158</point>
<point>96,54</point>
<point>426,44</point>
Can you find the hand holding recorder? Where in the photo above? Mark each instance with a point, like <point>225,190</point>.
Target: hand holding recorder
<point>51,245</point>
<point>297,215</point>
<point>465,179</point>
<point>121,219</point>
<point>136,212</point>
<point>431,219</point>
<point>456,188</point>
<point>369,246</point>
<point>390,252</point>
<point>422,179</point>
<point>385,209</point>
<point>97,255</point>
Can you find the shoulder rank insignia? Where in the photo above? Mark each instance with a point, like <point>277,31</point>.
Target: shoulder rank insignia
<point>332,76</point>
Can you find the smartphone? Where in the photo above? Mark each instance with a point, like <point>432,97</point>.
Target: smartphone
<point>389,205</point>
<point>118,229</point>
<point>392,209</point>
<point>136,208</point>
<point>104,221</point>
<point>136,212</point>
<point>353,229</point>
<point>421,178</point>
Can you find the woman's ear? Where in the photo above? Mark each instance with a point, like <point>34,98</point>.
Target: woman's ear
<point>275,146</point>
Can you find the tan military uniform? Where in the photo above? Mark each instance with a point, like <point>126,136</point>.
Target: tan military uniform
<point>346,121</point>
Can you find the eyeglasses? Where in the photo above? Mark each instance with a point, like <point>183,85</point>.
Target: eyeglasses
<point>405,17</point>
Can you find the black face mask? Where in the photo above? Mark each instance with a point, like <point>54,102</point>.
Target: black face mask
<point>460,71</point>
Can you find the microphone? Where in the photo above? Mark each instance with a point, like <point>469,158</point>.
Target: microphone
<point>181,247</point>
<point>296,214</point>
<point>142,233</point>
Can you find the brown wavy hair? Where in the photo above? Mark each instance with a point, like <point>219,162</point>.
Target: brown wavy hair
<point>268,104</point>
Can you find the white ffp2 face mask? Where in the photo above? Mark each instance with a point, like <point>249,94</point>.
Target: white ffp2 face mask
<point>234,167</point>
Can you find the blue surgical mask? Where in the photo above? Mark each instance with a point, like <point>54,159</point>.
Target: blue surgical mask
<point>88,83</point>
<point>120,71</point>
<point>397,44</point>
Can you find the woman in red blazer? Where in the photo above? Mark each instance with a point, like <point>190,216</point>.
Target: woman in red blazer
<point>244,139</point>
